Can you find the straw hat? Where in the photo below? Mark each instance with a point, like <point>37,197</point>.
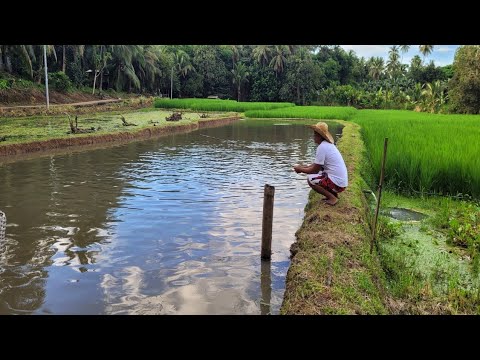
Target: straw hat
<point>322,129</point>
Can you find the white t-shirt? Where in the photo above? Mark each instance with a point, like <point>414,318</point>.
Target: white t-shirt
<point>330,158</point>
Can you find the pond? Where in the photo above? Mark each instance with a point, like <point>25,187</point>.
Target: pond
<point>165,226</point>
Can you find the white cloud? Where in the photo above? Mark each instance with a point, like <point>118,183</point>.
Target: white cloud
<point>443,49</point>
<point>367,50</point>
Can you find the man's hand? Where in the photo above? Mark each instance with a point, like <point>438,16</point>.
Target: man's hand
<point>297,168</point>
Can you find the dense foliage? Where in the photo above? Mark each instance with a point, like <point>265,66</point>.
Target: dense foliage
<point>301,74</point>
<point>465,85</point>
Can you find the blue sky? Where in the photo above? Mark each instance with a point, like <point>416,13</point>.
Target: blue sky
<point>442,54</point>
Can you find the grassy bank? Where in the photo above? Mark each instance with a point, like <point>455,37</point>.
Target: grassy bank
<point>332,271</point>
<point>41,133</point>
<point>418,267</point>
<point>21,130</point>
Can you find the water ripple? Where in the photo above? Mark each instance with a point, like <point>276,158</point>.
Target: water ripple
<point>166,226</point>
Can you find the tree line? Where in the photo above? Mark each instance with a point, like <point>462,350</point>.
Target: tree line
<point>303,74</point>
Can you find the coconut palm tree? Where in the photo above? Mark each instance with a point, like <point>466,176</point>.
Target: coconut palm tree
<point>149,69</point>
<point>235,53</point>
<point>26,54</point>
<point>122,69</point>
<point>393,63</point>
<point>77,50</point>
<point>404,49</point>
<point>182,63</point>
<point>183,66</point>
<point>279,58</point>
<point>416,62</point>
<point>294,48</point>
<point>240,75</point>
<point>415,93</point>
<point>433,96</point>
<point>376,67</point>
<point>297,63</point>
<point>426,50</point>
<point>39,49</point>
<point>262,54</point>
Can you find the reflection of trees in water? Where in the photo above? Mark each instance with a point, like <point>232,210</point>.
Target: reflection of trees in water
<point>51,201</point>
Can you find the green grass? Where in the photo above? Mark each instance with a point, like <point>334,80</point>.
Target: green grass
<point>423,266</point>
<point>216,105</point>
<point>36,128</point>
<point>426,152</point>
<point>360,293</point>
<point>305,112</point>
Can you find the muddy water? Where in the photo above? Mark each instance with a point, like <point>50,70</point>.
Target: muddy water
<point>165,226</point>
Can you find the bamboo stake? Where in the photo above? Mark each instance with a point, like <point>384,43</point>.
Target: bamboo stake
<point>382,173</point>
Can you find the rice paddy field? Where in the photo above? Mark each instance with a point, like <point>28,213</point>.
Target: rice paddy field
<point>427,153</point>
<point>308,112</point>
<point>217,105</point>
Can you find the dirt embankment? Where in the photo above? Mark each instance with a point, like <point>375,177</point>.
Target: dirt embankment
<point>116,138</point>
<point>31,96</point>
<point>127,104</point>
<point>32,102</point>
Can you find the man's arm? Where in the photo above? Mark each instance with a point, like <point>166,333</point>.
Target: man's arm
<point>308,169</point>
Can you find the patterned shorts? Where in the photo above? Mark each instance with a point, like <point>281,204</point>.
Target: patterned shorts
<point>323,180</point>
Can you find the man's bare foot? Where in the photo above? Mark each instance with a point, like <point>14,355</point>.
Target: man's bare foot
<point>331,202</point>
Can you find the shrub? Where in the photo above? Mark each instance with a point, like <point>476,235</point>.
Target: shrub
<point>3,84</point>
<point>59,81</point>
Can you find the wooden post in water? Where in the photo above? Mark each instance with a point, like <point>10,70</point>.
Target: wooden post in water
<point>3,225</point>
<point>382,173</point>
<point>266,286</point>
<point>268,195</point>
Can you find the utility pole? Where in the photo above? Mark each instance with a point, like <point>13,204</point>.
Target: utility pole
<point>46,73</point>
<point>171,84</point>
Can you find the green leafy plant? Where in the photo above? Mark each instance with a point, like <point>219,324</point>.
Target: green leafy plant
<point>3,84</point>
<point>60,81</point>
<point>388,229</point>
<point>464,228</point>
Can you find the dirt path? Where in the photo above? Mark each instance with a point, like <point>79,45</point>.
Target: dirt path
<point>77,104</point>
